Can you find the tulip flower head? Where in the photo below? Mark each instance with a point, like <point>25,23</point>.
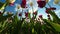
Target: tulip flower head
<point>26,14</point>
<point>23,4</point>
<point>31,3</point>
<point>49,9</point>
<point>40,16</point>
<point>56,1</point>
<point>35,13</point>
<point>41,3</point>
<point>18,7</point>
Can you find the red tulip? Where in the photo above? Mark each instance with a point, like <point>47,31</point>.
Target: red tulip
<point>26,14</point>
<point>40,16</point>
<point>49,9</point>
<point>23,5</point>
<point>41,3</point>
<point>35,12</point>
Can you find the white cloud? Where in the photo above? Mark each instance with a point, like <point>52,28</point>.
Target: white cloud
<point>58,13</point>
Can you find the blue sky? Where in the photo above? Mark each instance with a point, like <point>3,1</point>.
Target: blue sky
<point>41,11</point>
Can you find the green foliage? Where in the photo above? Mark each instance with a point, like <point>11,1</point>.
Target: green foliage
<point>20,26</point>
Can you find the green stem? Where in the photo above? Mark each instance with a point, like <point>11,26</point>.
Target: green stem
<point>49,5</point>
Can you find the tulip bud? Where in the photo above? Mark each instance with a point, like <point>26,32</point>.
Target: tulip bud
<point>40,16</point>
<point>47,10</point>
<point>26,14</point>
<point>35,13</point>
<point>31,3</point>
<point>23,4</point>
<point>18,7</point>
<point>41,3</point>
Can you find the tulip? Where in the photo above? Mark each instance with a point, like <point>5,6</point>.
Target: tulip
<point>53,8</point>
<point>49,9</point>
<point>23,4</point>
<point>18,6</point>
<point>26,14</point>
<point>31,3</point>
<point>41,3</point>
<point>35,13</point>
<point>40,16</point>
<point>56,1</point>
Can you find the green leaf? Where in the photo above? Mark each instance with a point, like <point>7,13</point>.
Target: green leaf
<point>2,5</point>
<point>55,17</point>
<point>3,18</point>
<point>56,26</point>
